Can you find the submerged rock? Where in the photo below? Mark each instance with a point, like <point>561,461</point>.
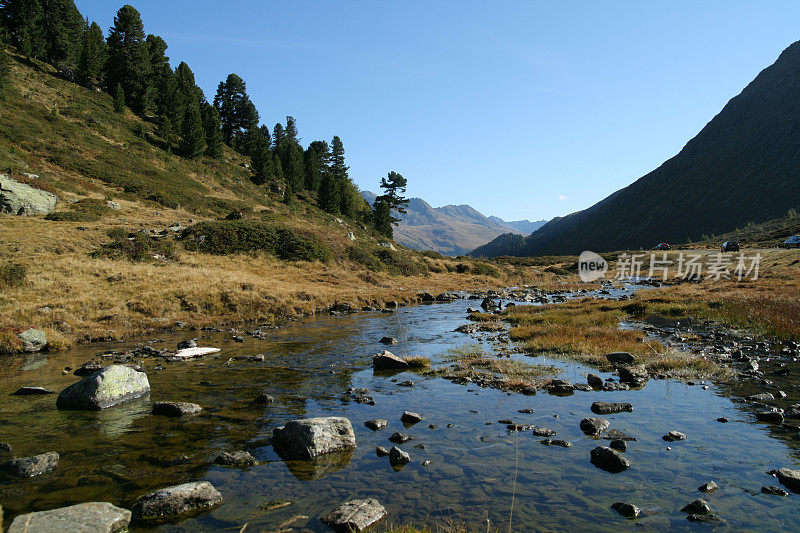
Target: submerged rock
<point>310,437</point>
<point>544,432</point>
<point>697,507</point>
<point>176,409</point>
<point>386,360</point>
<point>176,502</point>
<point>113,385</point>
<point>355,515</point>
<point>674,436</point>
<point>400,438</point>
<point>376,424</point>
<point>609,460</point>
<point>30,466</point>
<point>619,445</point>
<point>607,408</point>
<point>615,434</point>
<point>776,491</point>
<point>264,398</point>
<point>594,426</point>
<point>627,510</point>
<point>237,458</point>
<point>31,391</point>
<point>556,442</point>
<point>93,517</point>
<point>380,451</point>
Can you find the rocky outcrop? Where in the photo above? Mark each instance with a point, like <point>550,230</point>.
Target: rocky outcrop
<point>355,515</point>
<point>93,517</point>
<point>310,437</point>
<point>110,386</point>
<point>19,199</point>
<point>30,466</point>
<point>172,503</point>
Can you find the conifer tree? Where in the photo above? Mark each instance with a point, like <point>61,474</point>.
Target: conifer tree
<point>193,142</point>
<point>382,218</point>
<point>278,135</point>
<point>128,63</point>
<point>236,112</point>
<point>213,131</point>
<point>160,80</point>
<point>62,25</point>
<point>316,161</point>
<point>394,186</point>
<point>119,99</point>
<point>25,26</point>
<point>330,198</point>
<point>167,132</point>
<point>93,52</point>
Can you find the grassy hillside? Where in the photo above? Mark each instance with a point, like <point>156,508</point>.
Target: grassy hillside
<point>88,271</point>
<point>742,167</point>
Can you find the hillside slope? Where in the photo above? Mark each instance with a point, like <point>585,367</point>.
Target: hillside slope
<point>743,166</point>
<point>450,229</point>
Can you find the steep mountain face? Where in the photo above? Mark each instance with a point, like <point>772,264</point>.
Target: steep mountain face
<point>743,166</point>
<point>451,230</point>
<point>523,226</point>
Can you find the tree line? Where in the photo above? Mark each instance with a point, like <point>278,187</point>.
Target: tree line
<point>133,67</point>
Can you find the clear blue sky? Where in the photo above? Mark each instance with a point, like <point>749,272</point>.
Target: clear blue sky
<point>520,109</point>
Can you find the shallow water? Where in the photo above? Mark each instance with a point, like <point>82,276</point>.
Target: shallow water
<point>121,453</point>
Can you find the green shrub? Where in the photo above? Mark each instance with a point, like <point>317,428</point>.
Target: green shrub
<point>484,269</point>
<point>136,247</point>
<point>398,263</point>
<point>221,237</point>
<point>12,275</point>
<point>462,268</point>
<point>558,271</point>
<point>364,257</point>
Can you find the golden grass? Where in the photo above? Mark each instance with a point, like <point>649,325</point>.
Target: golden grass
<point>418,361</point>
<point>473,363</point>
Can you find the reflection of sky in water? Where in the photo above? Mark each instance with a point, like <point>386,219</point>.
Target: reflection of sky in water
<point>121,453</point>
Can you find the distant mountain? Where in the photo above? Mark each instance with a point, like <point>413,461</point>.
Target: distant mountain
<point>743,166</point>
<point>450,230</point>
<point>523,226</point>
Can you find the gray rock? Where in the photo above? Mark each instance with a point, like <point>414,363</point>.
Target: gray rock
<point>708,487</point>
<point>400,438</point>
<point>596,382</point>
<point>398,457</point>
<point>93,517</point>
<point>556,442</point>
<point>620,358</point>
<point>609,460</point>
<point>176,409</point>
<point>113,385</point>
<point>380,451</point>
<point>763,397</point>
<point>674,436</point>
<point>386,360</point>
<point>88,368</point>
<point>635,375</point>
<point>607,408</point>
<point>264,398</point>
<point>355,515</point>
<point>19,199</point>
<point>775,491</point>
<point>33,340</point>
<point>388,340</point>
<point>409,417</point>
<point>615,434</point>
<point>544,432</point>
<point>32,391</point>
<point>619,445</point>
<point>627,510</point>
<point>237,458</point>
<point>615,386</point>
<point>376,424</point>
<point>113,205</point>
<point>594,426</point>
<point>310,437</point>
<point>175,502</point>
<point>30,466</point>
<point>772,416</point>
<point>189,343</point>
<point>698,506</point>
<point>789,478</point>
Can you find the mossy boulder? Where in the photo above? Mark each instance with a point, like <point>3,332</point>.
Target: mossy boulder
<point>19,199</point>
<point>110,386</point>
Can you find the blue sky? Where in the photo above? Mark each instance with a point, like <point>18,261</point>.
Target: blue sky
<point>520,109</point>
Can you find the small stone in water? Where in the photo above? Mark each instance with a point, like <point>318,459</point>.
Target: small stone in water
<point>708,487</point>
<point>626,509</point>
<point>399,438</point>
<point>698,506</point>
<point>376,424</point>
<point>673,436</point>
<point>380,451</point>
<point>619,445</point>
<point>777,491</point>
<point>722,419</point>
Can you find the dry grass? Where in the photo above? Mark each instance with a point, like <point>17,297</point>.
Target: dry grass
<point>418,362</point>
<point>471,362</point>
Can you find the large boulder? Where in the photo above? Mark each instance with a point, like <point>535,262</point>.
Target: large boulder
<point>355,515</point>
<point>19,199</point>
<point>179,501</point>
<point>608,408</point>
<point>33,340</point>
<point>789,478</point>
<point>310,437</point>
<point>110,386</point>
<point>93,517</point>
<point>30,466</point>
<point>609,460</point>
<point>386,360</point>
<point>594,426</point>
<point>620,358</point>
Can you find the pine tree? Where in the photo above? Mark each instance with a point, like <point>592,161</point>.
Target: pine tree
<point>291,130</point>
<point>236,112</point>
<point>25,26</point>
<point>213,131</point>
<point>167,132</point>
<point>119,99</point>
<point>288,194</point>
<point>194,138</point>
<point>278,135</point>
<point>330,198</point>
<point>260,156</point>
<point>93,52</point>
<point>382,218</point>
<point>316,161</point>
<point>339,170</point>
<point>128,63</point>
<point>160,80</point>
<point>62,25</point>
<point>394,186</point>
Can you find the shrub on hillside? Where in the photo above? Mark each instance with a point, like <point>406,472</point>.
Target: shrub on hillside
<point>483,269</point>
<point>397,262</point>
<point>365,257</point>
<point>221,237</point>
<point>136,247</point>
<point>86,210</point>
<point>12,275</point>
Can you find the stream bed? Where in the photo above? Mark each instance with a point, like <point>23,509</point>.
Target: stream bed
<point>479,472</point>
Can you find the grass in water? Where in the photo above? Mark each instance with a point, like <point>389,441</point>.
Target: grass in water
<point>471,362</point>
